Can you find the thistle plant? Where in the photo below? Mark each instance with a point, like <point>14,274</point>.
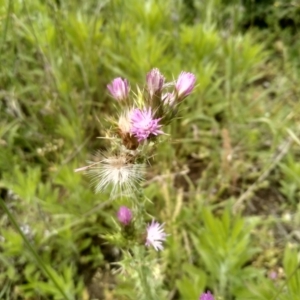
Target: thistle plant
<point>135,133</point>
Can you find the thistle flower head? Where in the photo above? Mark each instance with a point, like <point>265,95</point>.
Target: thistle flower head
<point>207,296</point>
<point>185,84</point>
<point>119,88</point>
<point>124,215</point>
<point>155,235</point>
<point>155,81</point>
<point>116,171</point>
<point>143,124</point>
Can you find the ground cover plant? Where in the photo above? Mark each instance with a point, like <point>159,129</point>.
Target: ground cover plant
<point>213,209</point>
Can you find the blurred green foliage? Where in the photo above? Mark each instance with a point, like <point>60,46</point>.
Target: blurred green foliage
<point>56,59</point>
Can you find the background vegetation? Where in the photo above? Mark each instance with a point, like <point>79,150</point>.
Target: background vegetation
<point>227,184</point>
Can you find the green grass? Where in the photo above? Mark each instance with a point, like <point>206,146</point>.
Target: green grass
<point>225,181</point>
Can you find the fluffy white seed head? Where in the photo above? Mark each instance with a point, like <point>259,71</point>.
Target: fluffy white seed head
<point>118,172</point>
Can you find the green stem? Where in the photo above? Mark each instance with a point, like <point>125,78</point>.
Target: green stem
<point>38,259</point>
<point>142,270</point>
<point>140,207</point>
<point>140,256</point>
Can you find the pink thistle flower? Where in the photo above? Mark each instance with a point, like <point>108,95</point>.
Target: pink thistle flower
<point>207,296</point>
<point>119,88</point>
<point>155,81</point>
<point>185,84</point>
<point>124,215</point>
<point>143,124</point>
<point>155,235</point>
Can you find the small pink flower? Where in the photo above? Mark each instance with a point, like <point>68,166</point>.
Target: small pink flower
<point>124,215</point>
<point>185,84</point>
<point>207,296</point>
<point>143,124</point>
<point>273,275</point>
<point>155,81</point>
<point>119,88</point>
<point>155,235</point>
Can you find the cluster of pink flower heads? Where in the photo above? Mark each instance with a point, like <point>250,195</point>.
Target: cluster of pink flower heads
<point>152,108</point>
<point>143,115</point>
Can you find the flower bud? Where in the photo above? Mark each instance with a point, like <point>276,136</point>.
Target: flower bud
<point>119,88</point>
<point>155,81</point>
<point>185,84</point>
<point>124,215</point>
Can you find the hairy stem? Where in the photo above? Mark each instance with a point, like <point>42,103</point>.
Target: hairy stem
<point>143,271</point>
